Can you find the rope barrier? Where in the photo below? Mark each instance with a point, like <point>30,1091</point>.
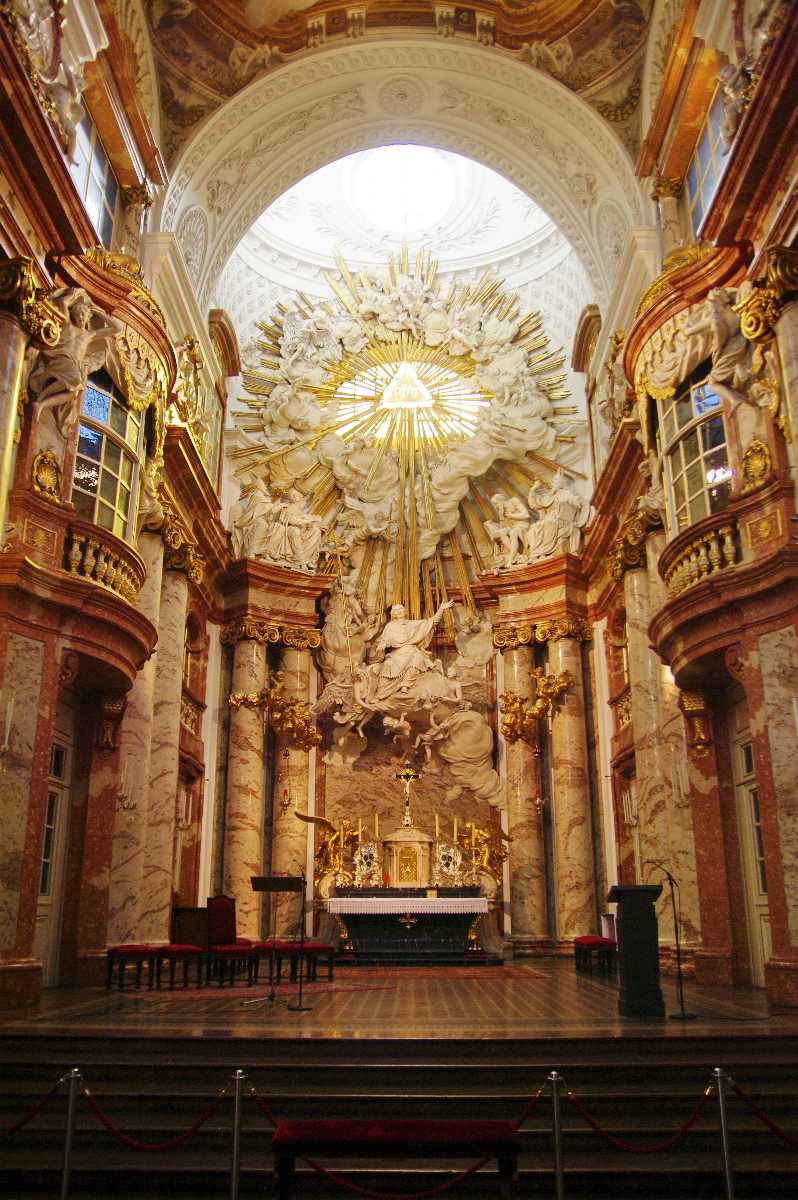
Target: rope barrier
<point>268,1114</point>
<point>33,1112</point>
<point>438,1190</point>
<point>530,1108</point>
<point>658,1147</point>
<point>154,1147</point>
<point>768,1122</point>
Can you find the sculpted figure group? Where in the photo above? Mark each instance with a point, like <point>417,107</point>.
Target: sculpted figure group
<point>278,529</point>
<point>519,538</point>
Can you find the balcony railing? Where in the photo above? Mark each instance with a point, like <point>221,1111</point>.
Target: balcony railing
<point>699,554</point>
<point>103,559</point>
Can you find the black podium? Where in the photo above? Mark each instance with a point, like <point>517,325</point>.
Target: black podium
<point>639,992</point>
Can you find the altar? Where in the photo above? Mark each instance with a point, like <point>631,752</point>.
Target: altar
<point>410,925</point>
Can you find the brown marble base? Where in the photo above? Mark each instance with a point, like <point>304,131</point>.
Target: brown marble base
<point>529,947</point>
<point>711,967</point>
<point>781,981</point>
<point>20,983</point>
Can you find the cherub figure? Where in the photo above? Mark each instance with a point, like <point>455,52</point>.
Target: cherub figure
<point>335,844</point>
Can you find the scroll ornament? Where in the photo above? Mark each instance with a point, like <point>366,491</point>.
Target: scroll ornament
<point>39,318</point>
<point>287,715</point>
<point>520,716</point>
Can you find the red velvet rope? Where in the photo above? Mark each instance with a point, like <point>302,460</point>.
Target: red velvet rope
<point>787,1138</point>
<point>33,1112</point>
<point>361,1191</point>
<point>668,1142</point>
<point>268,1114</point>
<point>530,1108</point>
<point>134,1143</point>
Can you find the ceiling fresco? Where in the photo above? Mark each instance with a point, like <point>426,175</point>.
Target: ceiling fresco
<point>208,50</point>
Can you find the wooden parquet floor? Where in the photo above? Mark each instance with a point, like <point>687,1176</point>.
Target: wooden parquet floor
<point>547,1000</point>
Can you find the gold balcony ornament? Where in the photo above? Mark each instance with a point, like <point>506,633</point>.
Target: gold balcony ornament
<point>126,267</point>
<point>672,263</point>
<point>46,476</point>
<point>694,710</point>
<point>39,318</point>
<point>757,467</point>
<point>520,716</point>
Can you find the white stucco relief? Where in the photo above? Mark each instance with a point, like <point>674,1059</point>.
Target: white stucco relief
<point>339,89</point>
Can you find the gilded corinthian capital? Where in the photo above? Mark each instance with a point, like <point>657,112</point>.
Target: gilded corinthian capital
<point>510,637</point>
<point>30,304</point>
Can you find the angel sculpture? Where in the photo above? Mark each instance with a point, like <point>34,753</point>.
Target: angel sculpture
<point>335,843</point>
<point>487,848</point>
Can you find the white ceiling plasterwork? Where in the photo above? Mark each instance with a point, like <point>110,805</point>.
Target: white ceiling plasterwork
<point>463,98</point>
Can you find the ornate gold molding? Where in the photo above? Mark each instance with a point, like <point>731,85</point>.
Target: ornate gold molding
<point>629,549</point>
<point>137,195</point>
<point>128,268</point>
<point>676,260</point>
<point>180,553</point>
<point>665,188</point>
<point>520,716</point>
<point>694,710</point>
<point>112,710</point>
<point>288,716</point>
<point>565,626</point>
<point>190,714</point>
<point>18,291</point>
<point>757,466</point>
<point>510,637</point>
<point>45,476</point>
<point>296,637</point>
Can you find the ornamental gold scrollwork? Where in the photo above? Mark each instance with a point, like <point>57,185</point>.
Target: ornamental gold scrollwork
<point>757,465</point>
<point>287,715</point>
<point>297,637</point>
<point>520,716</point>
<point>185,558</point>
<point>565,626</point>
<point>629,549</point>
<point>675,261</point>
<point>128,268</point>
<point>144,374</point>
<point>510,637</point>
<point>18,290</point>
<point>694,709</point>
<point>46,476</point>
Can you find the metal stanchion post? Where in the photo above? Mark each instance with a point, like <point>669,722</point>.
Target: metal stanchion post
<point>559,1183</point>
<point>238,1077</point>
<point>72,1095</point>
<point>721,1079</point>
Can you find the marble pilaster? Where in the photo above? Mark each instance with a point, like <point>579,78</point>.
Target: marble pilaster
<point>12,356</point>
<point>155,904</point>
<point>130,826</point>
<point>290,836</point>
<point>573,826</point>
<point>524,824</point>
<point>87,951</point>
<point>243,833</point>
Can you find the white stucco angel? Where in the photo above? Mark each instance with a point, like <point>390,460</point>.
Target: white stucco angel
<point>249,519</point>
<point>509,533</point>
<point>60,373</point>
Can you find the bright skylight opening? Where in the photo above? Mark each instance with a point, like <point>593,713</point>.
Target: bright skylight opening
<point>403,188</point>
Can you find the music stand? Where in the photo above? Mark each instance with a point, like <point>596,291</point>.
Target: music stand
<point>286,883</point>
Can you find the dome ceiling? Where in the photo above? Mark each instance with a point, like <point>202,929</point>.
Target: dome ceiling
<point>208,52</point>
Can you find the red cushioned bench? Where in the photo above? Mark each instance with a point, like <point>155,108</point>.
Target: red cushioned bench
<point>332,1137</point>
<point>590,944</point>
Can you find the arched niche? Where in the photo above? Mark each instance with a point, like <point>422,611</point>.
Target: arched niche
<point>466,98</point>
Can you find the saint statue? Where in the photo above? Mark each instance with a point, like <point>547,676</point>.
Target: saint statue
<point>402,660</point>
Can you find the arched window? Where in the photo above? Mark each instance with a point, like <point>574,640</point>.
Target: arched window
<point>105,483</point>
<point>692,436</point>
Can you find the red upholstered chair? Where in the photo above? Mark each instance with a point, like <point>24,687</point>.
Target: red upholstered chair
<point>130,952</point>
<point>591,944</point>
<point>183,953</point>
<point>226,952</point>
<point>316,952</point>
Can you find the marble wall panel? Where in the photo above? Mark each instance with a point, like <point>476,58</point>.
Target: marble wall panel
<point>23,677</point>
<point>573,832</point>
<point>130,826</point>
<point>155,905</point>
<point>243,834</point>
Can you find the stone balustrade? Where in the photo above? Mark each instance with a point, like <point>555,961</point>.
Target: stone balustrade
<point>699,554</point>
<point>103,559</point>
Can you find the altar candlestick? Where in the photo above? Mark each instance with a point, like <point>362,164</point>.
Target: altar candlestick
<point>359,830</point>
<point>376,825</point>
<point>437,827</point>
<point>473,834</point>
<point>455,831</point>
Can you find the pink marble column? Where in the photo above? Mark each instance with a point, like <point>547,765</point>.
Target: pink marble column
<point>243,833</point>
<point>573,827</point>
<point>290,835</point>
<point>130,826</point>
<point>155,904</point>
<point>527,859</point>
<point>12,356</point>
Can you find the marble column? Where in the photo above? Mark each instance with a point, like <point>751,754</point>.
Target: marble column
<point>130,826</point>
<point>155,904</point>
<point>12,356</point>
<point>290,835</point>
<point>573,825</point>
<point>524,824</point>
<point>243,832</point>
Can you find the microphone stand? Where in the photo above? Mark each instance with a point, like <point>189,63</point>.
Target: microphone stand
<point>681,1015</point>
<point>299,1006</point>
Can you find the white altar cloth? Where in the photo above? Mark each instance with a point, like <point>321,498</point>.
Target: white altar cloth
<point>413,904</point>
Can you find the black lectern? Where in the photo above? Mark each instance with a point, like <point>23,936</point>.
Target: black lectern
<point>287,883</point>
<point>639,992</point>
